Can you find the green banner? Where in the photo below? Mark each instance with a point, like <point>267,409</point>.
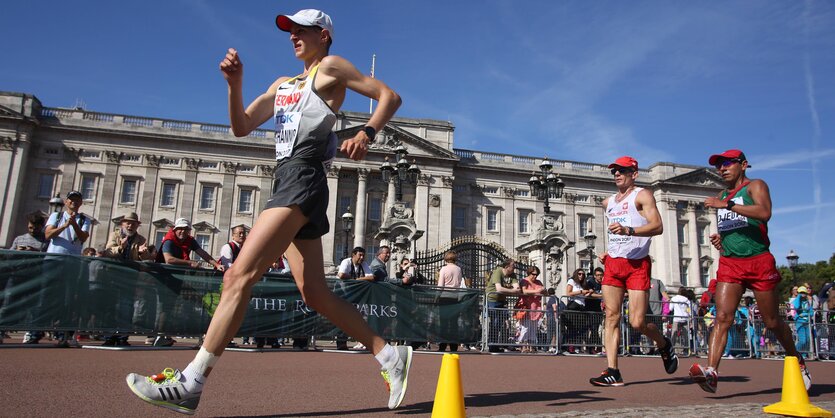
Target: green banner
<point>57,292</point>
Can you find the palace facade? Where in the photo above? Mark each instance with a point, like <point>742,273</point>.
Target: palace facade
<point>165,169</point>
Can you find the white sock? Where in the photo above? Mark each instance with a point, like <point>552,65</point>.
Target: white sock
<point>387,357</point>
<point>195,372</point>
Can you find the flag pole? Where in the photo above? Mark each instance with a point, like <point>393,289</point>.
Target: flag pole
<point>371,101</point>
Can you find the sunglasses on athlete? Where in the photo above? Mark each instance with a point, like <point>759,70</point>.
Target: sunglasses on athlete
<point>727,163</point>
<point>622,170</point>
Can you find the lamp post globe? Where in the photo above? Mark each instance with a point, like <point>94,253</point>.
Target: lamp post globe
<point>792,258</point>
<point>56,203</point>
<point>590,238</point>
<point>347,227</point>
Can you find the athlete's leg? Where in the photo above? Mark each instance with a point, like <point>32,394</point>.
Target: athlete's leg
<point>638,305</point>
<point>613,298</point>
<point>769,304</point>
<point>267,241</point>
<point>307,266</point>
<point>727,299</point>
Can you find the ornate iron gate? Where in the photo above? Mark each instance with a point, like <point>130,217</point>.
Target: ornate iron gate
<point>477,258</point>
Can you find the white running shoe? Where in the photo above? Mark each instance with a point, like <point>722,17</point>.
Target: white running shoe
<point>166,390</point>
<point>359,346</point>
<point>807,378</point>
<point>397,377</point>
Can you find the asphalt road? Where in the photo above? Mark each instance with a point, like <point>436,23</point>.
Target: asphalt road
<point>75,382</point>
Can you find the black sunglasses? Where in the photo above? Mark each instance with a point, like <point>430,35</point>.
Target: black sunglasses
<point>727,163</point>
<point>622,170</point>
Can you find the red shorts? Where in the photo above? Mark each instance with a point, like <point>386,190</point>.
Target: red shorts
<point>758,273</point>
<point>628,273</point>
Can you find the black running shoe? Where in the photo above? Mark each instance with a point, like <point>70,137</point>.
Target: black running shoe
<point>609,377</point>
<point>668,355</point>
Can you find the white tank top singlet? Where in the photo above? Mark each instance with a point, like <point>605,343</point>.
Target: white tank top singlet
<point>626,213</point>
<point>303,121</point>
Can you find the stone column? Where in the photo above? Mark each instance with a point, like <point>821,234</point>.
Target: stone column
<point>360,214</point>
<point>389,197</point>
<point>190,188</point>
<point>13,156</point>
<point>227,205</point>
<point>422,209</point>
<point>693,276</point>
<point>150,195</point>
<point>110,181</point>
<point>444,231</point>
<point>665,246</point>
<point>328,240</point>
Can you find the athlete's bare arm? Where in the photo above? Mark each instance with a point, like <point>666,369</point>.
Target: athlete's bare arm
<point>259,111</point>
<point>761,209</point>
<point>645,201</point>
<point>337,74</point>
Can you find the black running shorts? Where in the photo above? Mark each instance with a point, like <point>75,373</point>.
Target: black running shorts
<point>303,183</point>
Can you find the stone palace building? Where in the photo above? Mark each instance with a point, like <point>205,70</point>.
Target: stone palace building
<point>165,169</point>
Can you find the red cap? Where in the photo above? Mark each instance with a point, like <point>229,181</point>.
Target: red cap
<point>731,154</point>
<point>625,162</point>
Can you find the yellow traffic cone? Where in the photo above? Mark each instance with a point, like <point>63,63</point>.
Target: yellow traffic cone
<point>449,395</point>
<point>795,400</point>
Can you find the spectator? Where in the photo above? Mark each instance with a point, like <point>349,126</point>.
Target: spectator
<point>450,276</point>
<point>178,243</point>
<point>175,248</point>
<point>752,312</point>
<point>576,292</point>
<point>380,270</point>
<point>34,240</point>
<point>707,297</point>
<point>531,303</point>
<point>657,295</point>
<point>229,252</point>
<point>67,232</point>
<point>682,306</point>
<point>352,268</point>
<point>594,307</point>
<point>126,243</point>
<point>802,304</point>
<point>552,310</point>
<point>502,282</point>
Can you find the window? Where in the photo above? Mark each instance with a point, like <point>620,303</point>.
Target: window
<point>375,209</point>
<point>158,238</point>
<point>128,195</point>
<point>459,217</point>
<point>682,233</point>
<point>704,274</point>
<point>492,219</point>
<point>88,187</point>
<point>207,197</point>
<point>340,250</point>
<point>524,221</point>
<point>203,241</point>
<point>245,201</point>
<point>703,235</point>
<point>169,194</point>
<point>522,193</point>
<point>491,190</point>
<point>584,225</point>
<point>344,205</point>
<point>585,265</point>
<point>683,270</point>
<point>45,183</point>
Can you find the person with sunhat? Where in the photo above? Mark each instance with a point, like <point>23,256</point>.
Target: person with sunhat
<point>304,109</point>
<point>126,243</point>
<point>743,210</point>
<point>633,219</point>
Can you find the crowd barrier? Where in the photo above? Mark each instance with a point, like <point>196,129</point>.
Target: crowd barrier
<point>101,295</point>
<point>575,329</point>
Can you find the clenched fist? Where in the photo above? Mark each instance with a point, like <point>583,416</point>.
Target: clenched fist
<point>232,67</point>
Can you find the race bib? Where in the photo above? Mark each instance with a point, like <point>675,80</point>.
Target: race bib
<point>286,131</point>
<point>729,220</point>
<point>625,220</point>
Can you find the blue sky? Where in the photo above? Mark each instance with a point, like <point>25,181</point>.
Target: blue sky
<point>586,81</point>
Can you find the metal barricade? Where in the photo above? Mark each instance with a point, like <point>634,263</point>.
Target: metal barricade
<point>824,334</point>
<point>680,331</point>
<point>742,334</point>
<point>506,327</point>
<point>581,326</point>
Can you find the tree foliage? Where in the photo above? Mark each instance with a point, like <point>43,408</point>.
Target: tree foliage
<point>816,275</point>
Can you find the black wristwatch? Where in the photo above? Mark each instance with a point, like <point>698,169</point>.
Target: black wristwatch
<point>630,231</point>
<point>370,132</point>
<point>731,204</point>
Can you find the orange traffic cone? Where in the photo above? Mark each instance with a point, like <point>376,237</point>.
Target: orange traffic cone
<point>449,395</point>
<point>795,400</point>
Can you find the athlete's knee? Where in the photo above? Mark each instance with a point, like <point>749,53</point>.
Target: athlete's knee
<point>638,324</point>
<point>724,319</point>
<point>237,280</point>
<point>772,322</point>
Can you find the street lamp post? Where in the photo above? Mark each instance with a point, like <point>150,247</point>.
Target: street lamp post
<point>792,258</point>
<point>401,171</point>
<point>546,185</point>
<point>56,203</point>
<point>590,237</point>
<point>347,227</point>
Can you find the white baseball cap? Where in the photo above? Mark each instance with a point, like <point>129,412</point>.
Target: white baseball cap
<point>306,17</point>
<point>182,223</point>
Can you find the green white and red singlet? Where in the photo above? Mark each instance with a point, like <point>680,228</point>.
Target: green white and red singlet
<point>741,236</point>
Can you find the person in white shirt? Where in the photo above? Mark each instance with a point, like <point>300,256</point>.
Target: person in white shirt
<point>230,251</point>
<point>355,267</point>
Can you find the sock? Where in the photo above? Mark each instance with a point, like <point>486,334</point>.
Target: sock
<point>387,357</point>
<point>195,372</point>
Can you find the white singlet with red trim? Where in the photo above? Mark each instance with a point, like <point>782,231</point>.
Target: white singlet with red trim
<point>626,213</point>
